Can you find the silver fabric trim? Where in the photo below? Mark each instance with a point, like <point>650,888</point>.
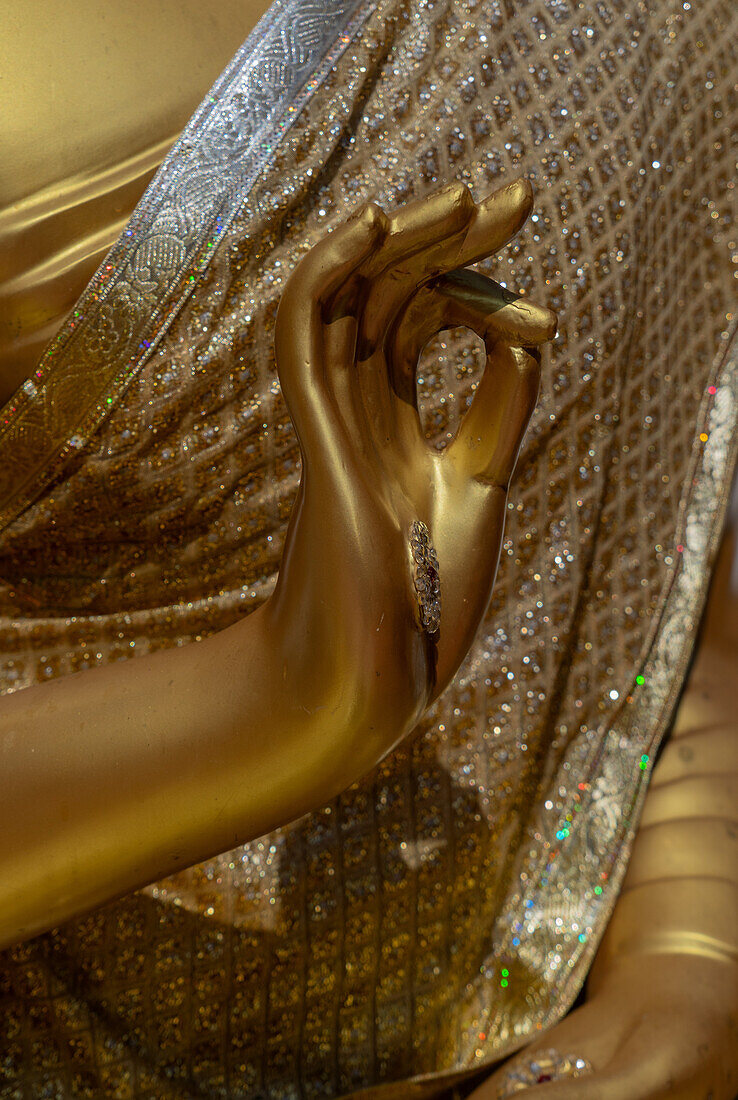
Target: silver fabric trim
<point>175,230</point>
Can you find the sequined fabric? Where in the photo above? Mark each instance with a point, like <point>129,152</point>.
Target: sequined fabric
<point>447,906</point>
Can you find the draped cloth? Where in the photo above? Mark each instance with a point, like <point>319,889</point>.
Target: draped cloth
<point>444,909</point>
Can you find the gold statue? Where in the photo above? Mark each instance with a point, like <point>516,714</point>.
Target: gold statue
<point>442,913</point>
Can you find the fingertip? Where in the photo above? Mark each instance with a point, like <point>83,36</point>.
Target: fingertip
<point>520,198</point>
<point>524,322</point>
<point>460,201</point>
<point>354,242</point>
<point>548,323</point>
<point>522,190</point>
<point>499,217</point>
<point>537,325</point>
<point>527,359</point>
<point>526,363</point>
<point>443,212</point>
<point>375,221</point>
<point>532,353</point>
<point>457,206</point>
<point>368,225</point>
<point>515,196</point>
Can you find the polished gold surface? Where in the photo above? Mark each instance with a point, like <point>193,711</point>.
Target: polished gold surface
<point>366,944</point>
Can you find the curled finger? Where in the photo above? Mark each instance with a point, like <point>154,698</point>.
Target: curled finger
<point>489,436</point>
<point>420,243</point>
<point>299,337</point>
<point>491,433</point>
<point>497,219</point>
<point>493,311</point>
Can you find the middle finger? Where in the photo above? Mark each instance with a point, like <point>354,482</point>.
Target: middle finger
<point>411,256</point>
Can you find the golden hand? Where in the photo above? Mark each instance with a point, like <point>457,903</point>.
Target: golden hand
<point>657,1029</point>
<point>122,774</point>
<point>352,323</point>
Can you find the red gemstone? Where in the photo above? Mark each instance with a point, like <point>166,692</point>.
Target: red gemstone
<point>543,1077</point>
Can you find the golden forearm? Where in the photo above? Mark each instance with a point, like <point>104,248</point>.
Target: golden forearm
<point>661,1008</point>
<point>681,891</point>
<point>115,777</point>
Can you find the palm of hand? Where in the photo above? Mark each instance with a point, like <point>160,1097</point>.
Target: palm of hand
<point>352,322</point>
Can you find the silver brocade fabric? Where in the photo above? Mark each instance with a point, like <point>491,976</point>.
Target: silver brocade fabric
<point>448,906</point>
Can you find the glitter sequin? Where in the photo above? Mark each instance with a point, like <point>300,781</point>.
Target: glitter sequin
<point>367,942</point>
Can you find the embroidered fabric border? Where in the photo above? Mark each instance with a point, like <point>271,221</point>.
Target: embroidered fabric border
<point>154,266</point>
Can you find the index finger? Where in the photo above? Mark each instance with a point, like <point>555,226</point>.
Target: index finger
<point>410,230</point>
<point>492,225</point>
<point>497,219</point>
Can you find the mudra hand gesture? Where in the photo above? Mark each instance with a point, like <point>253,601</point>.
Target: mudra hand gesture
<point>125,773</point>
<point>359,571</point>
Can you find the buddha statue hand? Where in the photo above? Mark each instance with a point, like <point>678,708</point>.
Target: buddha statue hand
<point>358,586</point>
<point>192,750</point>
